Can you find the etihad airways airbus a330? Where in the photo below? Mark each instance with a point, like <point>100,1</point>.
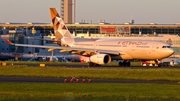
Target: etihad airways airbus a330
<point>103,51</point>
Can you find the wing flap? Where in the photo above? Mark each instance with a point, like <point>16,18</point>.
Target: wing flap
<point>50,49</point>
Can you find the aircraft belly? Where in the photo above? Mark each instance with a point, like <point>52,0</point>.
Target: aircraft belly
<point>122,57</point>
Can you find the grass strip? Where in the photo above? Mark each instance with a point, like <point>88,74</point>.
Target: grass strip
<point>88,92</point>
<point>60,63</point>
<point>171,74</point>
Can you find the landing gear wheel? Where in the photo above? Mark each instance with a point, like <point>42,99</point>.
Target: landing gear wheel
<point>98,65</point>
<point>128,63</point>
<point>93,64</point>
<point>90,64</point>
<point>124,63</point>
<point>160,64</point>
<point>120,64</point>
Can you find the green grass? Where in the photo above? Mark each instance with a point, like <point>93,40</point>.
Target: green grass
<point>88,92</point>
<point>79,63</point>
<point>93,73</point>
<point>69,63</point>
<point>38,62</point>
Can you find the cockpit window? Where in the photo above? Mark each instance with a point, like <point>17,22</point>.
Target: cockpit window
<point>166,47</point>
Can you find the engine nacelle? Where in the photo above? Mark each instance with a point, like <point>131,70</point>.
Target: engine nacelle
<point>100,59</point>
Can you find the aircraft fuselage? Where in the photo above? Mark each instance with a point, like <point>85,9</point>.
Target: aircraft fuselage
<point>129,49</point>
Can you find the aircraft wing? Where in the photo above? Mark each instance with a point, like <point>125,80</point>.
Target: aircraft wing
<point>69,49</point>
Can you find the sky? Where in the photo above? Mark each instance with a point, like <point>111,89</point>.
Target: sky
<point>112,11</point>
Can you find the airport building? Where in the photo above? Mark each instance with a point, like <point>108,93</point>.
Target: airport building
<point>20,33</point>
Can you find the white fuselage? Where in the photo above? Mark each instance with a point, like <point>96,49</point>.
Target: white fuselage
<point>129,49</point>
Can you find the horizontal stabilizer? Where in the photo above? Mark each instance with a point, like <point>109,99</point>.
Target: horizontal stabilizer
<point>8,41</point>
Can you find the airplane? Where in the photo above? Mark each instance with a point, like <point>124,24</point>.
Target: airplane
<point>103,51</point>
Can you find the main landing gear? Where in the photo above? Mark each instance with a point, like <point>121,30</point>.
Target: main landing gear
<point>91,64</point>
<point>124,63</point>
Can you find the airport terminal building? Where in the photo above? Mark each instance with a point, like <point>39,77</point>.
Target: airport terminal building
<point>19,33</point>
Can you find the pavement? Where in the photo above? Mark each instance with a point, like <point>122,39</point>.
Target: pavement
<point>80,80</point>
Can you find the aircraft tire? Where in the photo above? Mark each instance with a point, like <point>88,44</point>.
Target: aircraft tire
<point>124,63</point>
<point>159,65</point>
<point>91,64</point>
<point>98,65</point>
<point>128,63</point>
<point>120,64</point>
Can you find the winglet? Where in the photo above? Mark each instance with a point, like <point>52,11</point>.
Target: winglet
<point>7,41</point>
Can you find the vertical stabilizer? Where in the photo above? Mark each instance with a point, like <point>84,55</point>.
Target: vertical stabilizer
<point>60,29</point>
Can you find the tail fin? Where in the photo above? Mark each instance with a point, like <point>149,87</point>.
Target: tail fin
<point>60,28</point>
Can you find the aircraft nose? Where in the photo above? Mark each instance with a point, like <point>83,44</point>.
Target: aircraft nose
<point>171,51</point>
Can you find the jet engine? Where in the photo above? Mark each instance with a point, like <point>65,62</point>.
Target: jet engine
<point>100,59</point>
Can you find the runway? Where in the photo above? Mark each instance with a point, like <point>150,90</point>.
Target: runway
<point>61,80</point>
